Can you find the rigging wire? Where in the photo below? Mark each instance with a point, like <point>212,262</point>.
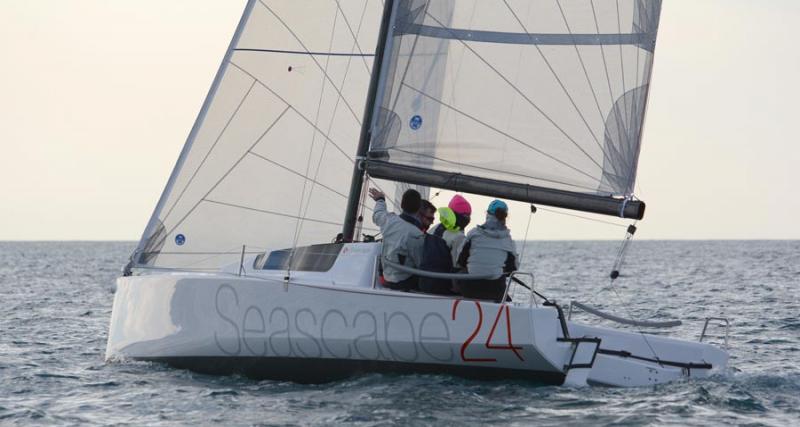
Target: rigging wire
<point>527,229</point>
<point>356,34</point>
<point>313,58</point>
<point>339,98</point>
<point>361,206</point>
<point>618,262</point>
<point>300,211</point>
<point>213,255</point>
<point>582,217</point>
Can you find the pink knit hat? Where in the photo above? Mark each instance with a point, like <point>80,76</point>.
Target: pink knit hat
<point>460,205</point>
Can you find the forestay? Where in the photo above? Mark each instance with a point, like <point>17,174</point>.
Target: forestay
<point>268,162</point>
<point>545,93</point>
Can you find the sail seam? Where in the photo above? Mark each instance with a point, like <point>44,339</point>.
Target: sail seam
<point>208,153</point>
<point>313,58</point>
<point>503,133</point>
<point>301,115</point>
<point>586,74</point>
<point>583,64</point>
<point>225,175</point>
<point>614,110</point>
<point>355,34</point>
<point>249,208</point>
<point>524,96</point>
<point>313,180</point>
<point>561,85</point>
<point>563,88</point>
<point>300,52</point>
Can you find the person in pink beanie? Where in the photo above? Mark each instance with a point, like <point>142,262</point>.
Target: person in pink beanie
<point>462,209</point>
<point>460,205</point>
<point>452,222</point>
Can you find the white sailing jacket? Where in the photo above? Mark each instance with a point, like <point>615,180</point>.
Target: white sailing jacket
<point>402,242</point>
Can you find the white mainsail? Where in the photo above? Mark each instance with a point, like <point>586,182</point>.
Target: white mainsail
<point>549,93</point>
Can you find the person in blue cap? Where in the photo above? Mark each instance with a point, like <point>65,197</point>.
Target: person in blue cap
<point>488,250</point>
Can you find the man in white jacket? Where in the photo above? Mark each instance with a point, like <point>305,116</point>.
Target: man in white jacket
<point>488,249</point>
<point>402,238</point>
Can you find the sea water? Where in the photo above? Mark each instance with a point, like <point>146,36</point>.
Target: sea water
<point>55,305</point>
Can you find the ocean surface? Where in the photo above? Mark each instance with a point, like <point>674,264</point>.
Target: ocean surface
<point>55,305</point>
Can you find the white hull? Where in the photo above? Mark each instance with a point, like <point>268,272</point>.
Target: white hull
<point>263,327</point>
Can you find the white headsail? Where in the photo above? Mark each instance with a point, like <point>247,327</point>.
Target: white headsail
<point>269,160</point>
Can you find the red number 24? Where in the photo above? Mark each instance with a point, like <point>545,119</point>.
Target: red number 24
<point>488,344</point>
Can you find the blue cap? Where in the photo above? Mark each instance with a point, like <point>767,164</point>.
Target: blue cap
<point>495,205</point>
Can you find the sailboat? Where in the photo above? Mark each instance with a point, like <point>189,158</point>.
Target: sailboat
<point>260,257</point>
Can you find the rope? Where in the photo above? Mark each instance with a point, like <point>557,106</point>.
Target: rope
<point>620,259</point>
<point>582,217</point>
<point>525,242</point>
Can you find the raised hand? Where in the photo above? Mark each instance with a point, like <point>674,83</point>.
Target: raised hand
<point>376,194</point>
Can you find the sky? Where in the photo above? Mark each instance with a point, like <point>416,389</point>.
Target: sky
<point>99,95</point>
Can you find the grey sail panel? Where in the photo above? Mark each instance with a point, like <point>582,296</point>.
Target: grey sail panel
<point>545,93</point>
<point>268,163</point>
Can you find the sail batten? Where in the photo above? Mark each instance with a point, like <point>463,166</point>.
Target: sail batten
<point>644,40</point>
<point>303,52</point>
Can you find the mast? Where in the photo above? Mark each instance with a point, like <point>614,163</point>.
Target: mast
<point>357,181</point>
